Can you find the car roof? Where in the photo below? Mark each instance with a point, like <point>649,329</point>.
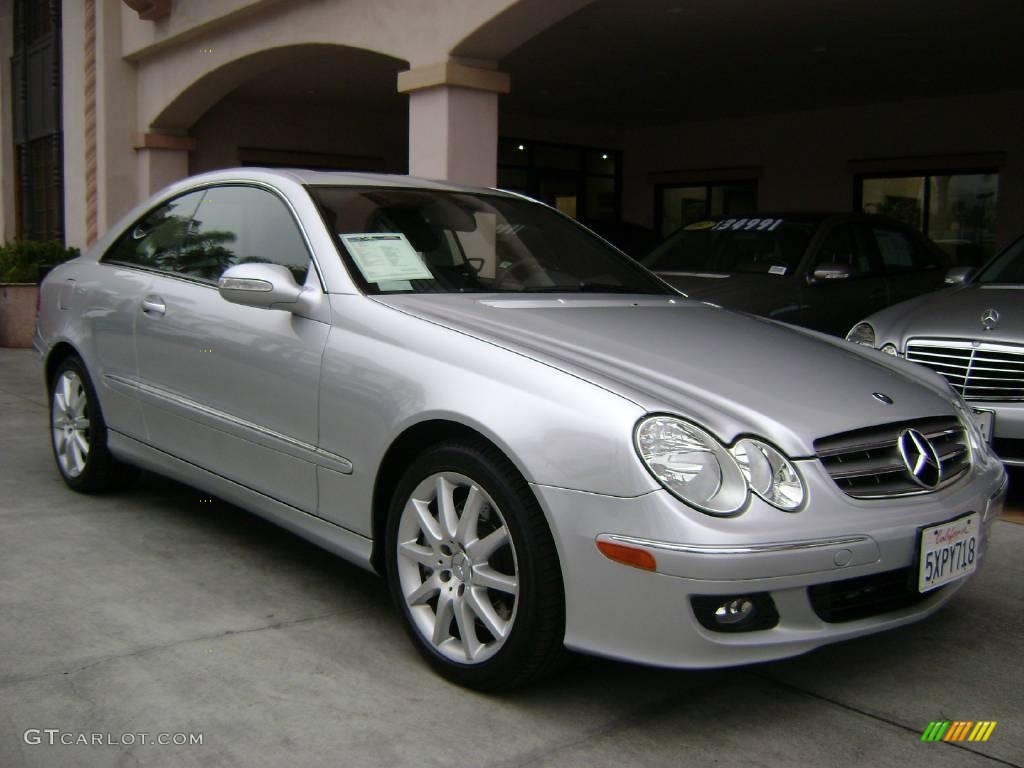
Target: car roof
<point>308,177</point>
<point>809,216</point>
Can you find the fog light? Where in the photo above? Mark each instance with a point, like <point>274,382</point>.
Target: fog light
<point>735,613</point>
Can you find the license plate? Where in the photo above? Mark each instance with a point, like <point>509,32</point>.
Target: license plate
<point>984,419</point>
<point>948,552</point>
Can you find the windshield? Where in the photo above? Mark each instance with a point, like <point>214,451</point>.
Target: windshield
<point>1007,267</point>
<point>423,241</point>
<point>767,246</point>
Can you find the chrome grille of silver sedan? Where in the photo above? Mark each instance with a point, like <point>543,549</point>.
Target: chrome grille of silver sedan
<point>984,372</point>
<point>868,463</point>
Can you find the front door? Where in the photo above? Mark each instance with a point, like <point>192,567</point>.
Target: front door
<point>834,306</point>
<point>229,388</point>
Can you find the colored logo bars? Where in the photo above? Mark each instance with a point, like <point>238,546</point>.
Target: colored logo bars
<point>958,730</point>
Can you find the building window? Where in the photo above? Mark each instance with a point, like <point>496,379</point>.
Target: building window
<point>36,95</point>
<point>682,204</point>
<point>582,182</point>
<point>956,210</point>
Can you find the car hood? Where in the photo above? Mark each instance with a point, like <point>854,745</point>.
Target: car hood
<point>955,313</point>
<point>751,293</point>
<point>734,373</point>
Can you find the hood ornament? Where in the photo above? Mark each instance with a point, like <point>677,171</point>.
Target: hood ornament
<point>882,397</point>
<point>989,319</point>
<point>920,458</point>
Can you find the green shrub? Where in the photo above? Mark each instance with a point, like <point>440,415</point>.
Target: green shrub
<point>21,260</point>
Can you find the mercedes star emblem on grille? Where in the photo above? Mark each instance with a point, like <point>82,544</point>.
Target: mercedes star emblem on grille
<point>989,318</point>
<point>920,458</point>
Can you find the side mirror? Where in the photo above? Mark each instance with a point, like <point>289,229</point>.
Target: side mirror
<point>825,272</point>
<point>267,286</point>
<point>958,275</point>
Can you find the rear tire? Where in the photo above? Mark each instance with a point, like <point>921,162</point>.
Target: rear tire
<point>473,569</point>
<point>78,433</point>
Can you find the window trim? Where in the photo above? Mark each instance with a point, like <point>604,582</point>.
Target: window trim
<point>202,188</point>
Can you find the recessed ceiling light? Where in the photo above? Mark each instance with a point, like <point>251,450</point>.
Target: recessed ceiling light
<point>521,147</point>
<point>604,157</point>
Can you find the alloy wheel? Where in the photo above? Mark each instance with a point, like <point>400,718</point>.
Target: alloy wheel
<point>457,568</point>
<point>71,424</point>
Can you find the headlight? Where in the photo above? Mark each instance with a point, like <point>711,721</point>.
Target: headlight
<point>691,464</point>
<point>769,474</point>
<point>862,333</point>
<point>979,446</point>
<point>890,349</point>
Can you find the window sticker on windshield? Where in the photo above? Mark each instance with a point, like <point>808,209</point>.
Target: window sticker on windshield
<point>385,256</point>
<point>777,269</point>
<point>699,225</point>
<point>760,225</point>
<point>394,285</point>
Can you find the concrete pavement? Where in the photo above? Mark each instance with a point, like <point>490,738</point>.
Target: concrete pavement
<point>157,610</point>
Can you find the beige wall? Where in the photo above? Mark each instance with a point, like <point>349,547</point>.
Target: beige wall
<point>804,156</point>
<point>209,47</point>
<point>322,128</point>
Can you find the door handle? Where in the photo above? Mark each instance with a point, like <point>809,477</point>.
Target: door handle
<point>154,305</point>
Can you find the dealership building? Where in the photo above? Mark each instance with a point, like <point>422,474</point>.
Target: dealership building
<point>654,113</point>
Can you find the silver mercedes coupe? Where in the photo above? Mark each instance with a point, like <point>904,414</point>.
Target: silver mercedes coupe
<point>973,334</point>
<point>540,444</point>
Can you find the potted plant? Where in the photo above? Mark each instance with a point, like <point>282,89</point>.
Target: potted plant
<point>23,264</point>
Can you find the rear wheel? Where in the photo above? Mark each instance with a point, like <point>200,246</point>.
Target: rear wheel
<point>79,433</point>
<point>473,570</point>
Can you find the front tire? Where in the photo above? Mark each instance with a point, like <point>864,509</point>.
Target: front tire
<point>473,570</point>
<point>79,433</point>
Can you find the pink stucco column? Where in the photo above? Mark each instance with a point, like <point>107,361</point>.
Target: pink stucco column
<point>160,160</point>
<point>453,121</point>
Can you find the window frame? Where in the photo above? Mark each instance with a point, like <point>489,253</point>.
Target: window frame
<point>580,173</point>
<point>157,204</point>
<point>926,173</point>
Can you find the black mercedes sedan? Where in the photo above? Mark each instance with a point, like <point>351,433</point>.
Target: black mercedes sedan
<point>823,271</point>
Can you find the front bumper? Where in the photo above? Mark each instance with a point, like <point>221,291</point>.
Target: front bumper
<point>1008,432</point>
<point>642,616</point>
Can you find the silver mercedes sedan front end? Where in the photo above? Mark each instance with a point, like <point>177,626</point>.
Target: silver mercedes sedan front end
<point>972,334</point>
<point>535,440</point>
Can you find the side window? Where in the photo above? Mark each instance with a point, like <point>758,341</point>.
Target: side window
<point>895,249</point>
<point>241,225</point>
<point>841,248</point>
<point>155,240</point>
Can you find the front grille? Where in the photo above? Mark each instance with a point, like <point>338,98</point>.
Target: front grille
<point>865,596</point>
<point>866,463</point>
<point>984,372</point>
